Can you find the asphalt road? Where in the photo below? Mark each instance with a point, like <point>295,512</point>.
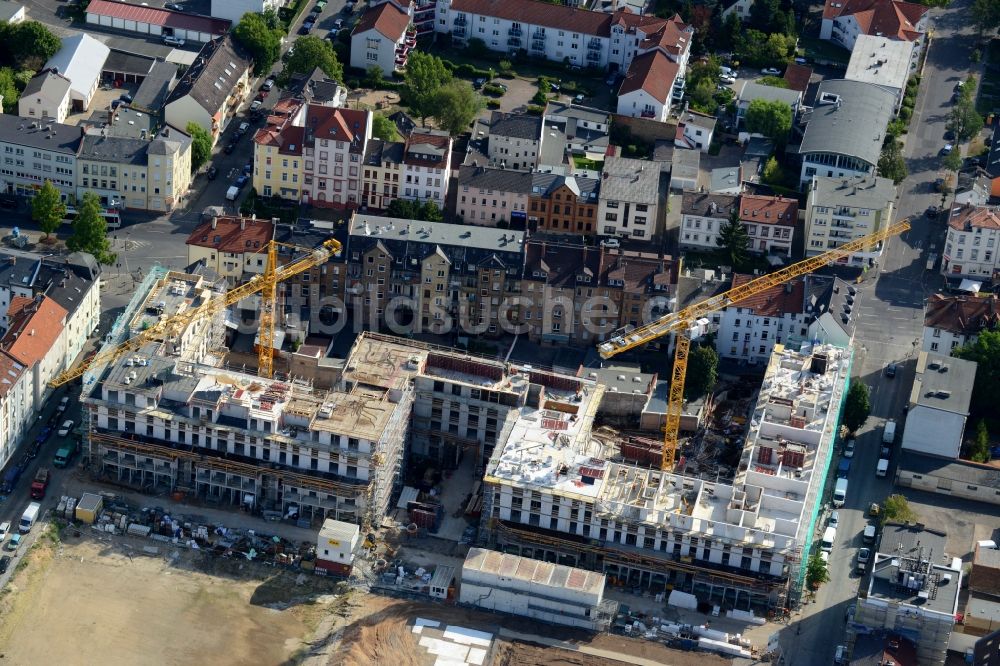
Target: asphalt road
<point>890,320</point>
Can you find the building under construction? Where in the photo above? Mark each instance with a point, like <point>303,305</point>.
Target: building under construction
<point>558,491</point>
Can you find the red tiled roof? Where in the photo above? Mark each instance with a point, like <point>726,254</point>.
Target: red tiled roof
<point>968,315</point>
<point>416,139</point>
<point>17,303</point>
<point>387,18</point>
<point>559,17</point>
<point>769,210</point>
<point>233,234</point>
<point>10,370</point>
<point>327,122</point>
<point>34,330</point>
<point>968,218</point>
<point>652,72</point>
<point>784,299</point>
<point>160,17</point>
<point>798,76</point>
<point>672,35</point>
<point>888,18</point>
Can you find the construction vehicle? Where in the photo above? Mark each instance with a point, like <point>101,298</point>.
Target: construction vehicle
<point>690,322</point>
<point>265,285</point>
<point>40,483</point>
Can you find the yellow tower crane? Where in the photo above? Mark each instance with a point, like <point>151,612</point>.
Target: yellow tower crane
<point>265,284</point>
<point>684,323</point>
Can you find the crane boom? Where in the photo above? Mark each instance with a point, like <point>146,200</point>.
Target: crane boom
<point>683,319</point>
<point>676,321</point>
<point>165,327</point>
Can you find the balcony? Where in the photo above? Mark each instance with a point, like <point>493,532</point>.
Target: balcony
<point>515,31</point>
<point>538,45</point>
<point>594,45</point>
<point>460,19</point>
<point>593,56</point>
<point>538,34</point>
<point>514,41</point>
<point>648,113</point>
<point>458,30</point>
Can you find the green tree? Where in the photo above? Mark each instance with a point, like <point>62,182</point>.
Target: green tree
<point>429,212</point>
<point>47,208</point>
<point>271,19</point>
<point>702,372</point>
<point>986,16</point>
<point>312,52</point>
<point>964,120</point>
<point>773,173</point>
<point>733,237</point>
<point>952,161</point>
<point>772,118</point>
<point>896,509</point>
<point>425,75</point>
<point>702,97</point>
<point>981,445</point>
<point>375,79</point>
<point>891,163</point>
<point>816,572</point>
<point>383,128</point>
<point>29,44</point>
<point>90,231</point>
<point>403,209</point>
<point>985,351</point>
<point>260,40</point>
<point>201,145</point>
<point>857,407</point>
<point>456,105</point>
<point>9,88</point>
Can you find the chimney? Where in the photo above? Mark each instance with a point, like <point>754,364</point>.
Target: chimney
<point>243,223</point>
<point>215,222</point>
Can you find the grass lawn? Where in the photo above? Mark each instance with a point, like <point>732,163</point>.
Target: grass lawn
<point>581,162</point>
<point>820,50</point>
<point>525,69</point>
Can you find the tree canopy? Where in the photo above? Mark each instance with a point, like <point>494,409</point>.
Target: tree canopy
<point>457,105</point>
<point>90,230</point>
<point>28,44</point>
<point>986,352</point>
<point>425,75</point>
<point>857,407</point>
<point>980,452</point>
<point>816,571</point>
<point>47,208</point>
<point>383,128</point>
<point>897,509</point>
<point>772,118</point>
<point>311,52</point>
<point>733,237</point>
<point>201,145</point>
<point>702,372</point>
<point>427,211</point>
<point>963,119</point>
<point>986,15</point>
<point>891,163</point>
<point>260,39</point>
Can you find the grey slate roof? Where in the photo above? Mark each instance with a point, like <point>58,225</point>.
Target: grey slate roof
<point>586,188</point>
<point>703,204</point>
<point>155,87</point>
<point>948,468</point>
<point>628,179</point>
<point>56,137</point>
<point>824,293</point>
<point>849,118</point>
<point>500,180</point>
<point>200,80</point>
<point>752,90</point>
<point>871,192</point>
<point>53,83</point>
<point>116,149</point>
<point>947,387</point>
<point>123,62</point>
<point>170,141</point>
<point>378,151</point>
<point>516,125</point>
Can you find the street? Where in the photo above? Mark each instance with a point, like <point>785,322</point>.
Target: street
<point>890,320</point>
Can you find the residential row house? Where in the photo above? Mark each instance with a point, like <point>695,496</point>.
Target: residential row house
<point>840,210</point>
<point>564,204</point>
<point>384,37</point>
<point>426,166</point>
<point>277,152</point>
<point>383,168</point>
<point>770,222</point>
<point>955,321</point>
<point>492,197</point>
<point>702,217</point>
<point>970,248</point>
<point>632,199</point>
<point>515,140</point>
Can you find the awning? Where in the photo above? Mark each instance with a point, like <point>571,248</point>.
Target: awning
<point>970,286</point>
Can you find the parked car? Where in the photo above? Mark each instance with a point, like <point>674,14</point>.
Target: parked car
<point>255,106</point>
<point>802,61</point>
<point>241,181</point>
<point>174,6</point>
<point>66,427</point>
<point>306,28</point>
<point>212,173</point>
<point>949,135</point>
<point>267,85</point>
<point>931,212</point>
<point>864,554</point>
<point>63,403</point>
<point>4,530</point>
<point>479,83</point>
<point>338,24</point>
<point>230,147</point>
<point>771,71</point>
<point>4,564</point>
<point>946,150</point>
<point>244,126</point>
<point>890,370</point>
<point>849,448</point>
<point>834,519</point>
<point>173,41</point>
<point>14,543</point>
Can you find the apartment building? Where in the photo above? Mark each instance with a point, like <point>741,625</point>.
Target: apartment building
<point>840,210</point>
<point>16,406</point>
<point>492,197</point>
<point>426,166</point>
<point>335,141</point>
<point>212,88</point>
<point>34,152</point>
<point>564,204</point>
<point>913,591</point>
<point>647,91</point>
<point>264,446</point>
<point>702,217</point>
<point>231,246</point>
<point>278,147</point>
<point>970,246</point>
<point>515,140</point>
<point>938,406</point>
<point>577,294</point>
<point>136,173</point>
<point>46,96</point>
<point>37,339</point>
<point>884,62</point>
<point>630,199</point>
<point>566,33</point>
<point>382,169</point>
<point>770,222</point>
<point>845,21</point>
<point>384,37</point>
<point>955,321</point>
<point>810,308</point>
<point>408,276</point>
<point>552,490</point>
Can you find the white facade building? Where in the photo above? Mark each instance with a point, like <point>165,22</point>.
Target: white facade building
<point>884,62</point>
<point>426,166</point>
<point>970,248</point>
<point>845,21</point>
<point>383,37</point>
<point>647,89</point>
<point>46,96</point>
<point>629,201</point>
<point>955,321</point>
<point>840,210</point>
<point>81,60</point>
<point>17,412</point>
<point>33,152</point>
<point>702,217</point>
<point>233,10</point>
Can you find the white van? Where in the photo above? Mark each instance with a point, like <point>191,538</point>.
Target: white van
<point>840,493</point>
<point>829,536</point>
<point>883,467</point>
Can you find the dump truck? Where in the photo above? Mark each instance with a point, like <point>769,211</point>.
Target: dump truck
<point>65,453</point>
<point>40,483</point>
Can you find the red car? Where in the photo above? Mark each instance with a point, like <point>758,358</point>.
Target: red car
<point>261,95</point>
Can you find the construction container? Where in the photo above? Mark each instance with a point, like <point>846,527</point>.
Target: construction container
<point>333,568</point>
<point>88,508</point>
